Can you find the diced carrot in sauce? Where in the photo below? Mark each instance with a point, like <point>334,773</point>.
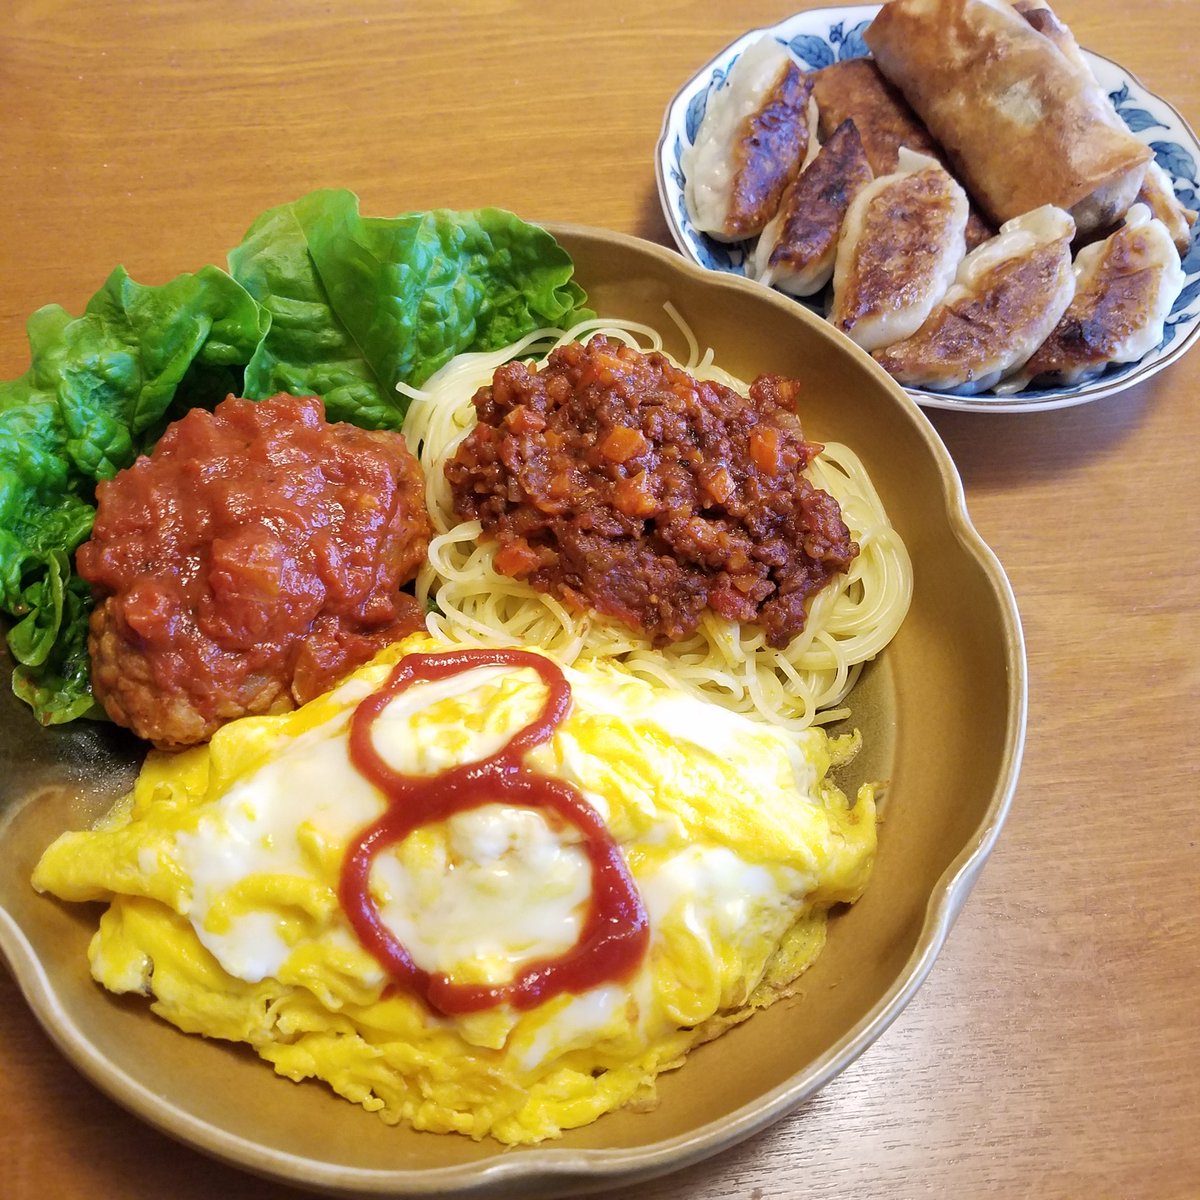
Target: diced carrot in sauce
<point>621,444</point>
<point>516,558</point>
<point>764,449</point>
<point>651,495</point>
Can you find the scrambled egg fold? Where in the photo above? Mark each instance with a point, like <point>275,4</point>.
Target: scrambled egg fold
<point>221,868</point>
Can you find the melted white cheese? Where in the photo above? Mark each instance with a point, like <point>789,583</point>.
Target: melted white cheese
<point>310,788</point>
<point>720,894</point>
<point>462,904</point>
<point>493,887</point>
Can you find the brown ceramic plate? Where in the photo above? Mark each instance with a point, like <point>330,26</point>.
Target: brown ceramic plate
<point>942,713</point>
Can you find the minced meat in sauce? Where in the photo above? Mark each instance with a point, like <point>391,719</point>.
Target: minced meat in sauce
<point>247,564</point>
<point>618,482</point>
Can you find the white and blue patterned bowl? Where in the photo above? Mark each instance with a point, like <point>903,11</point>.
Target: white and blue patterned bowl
<point>826,35</point>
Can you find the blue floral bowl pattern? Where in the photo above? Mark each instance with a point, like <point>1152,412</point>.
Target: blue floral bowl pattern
<point>827,35</point>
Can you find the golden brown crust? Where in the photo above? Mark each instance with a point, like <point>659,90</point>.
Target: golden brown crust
<point>902,234</point>
<point>815,205</point>
<point>1021,125</point>
<point>1106,310</point>
<point>965,334</point>
<point>770,149</point>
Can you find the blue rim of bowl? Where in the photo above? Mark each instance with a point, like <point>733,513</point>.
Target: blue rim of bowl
<point>1140,108</point>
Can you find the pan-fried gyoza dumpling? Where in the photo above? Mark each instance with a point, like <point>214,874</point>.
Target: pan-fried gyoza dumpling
<point>753,140</point>
<point>797,249</point>
<point>1159,197</point>
<point>1008,295</point>
<point>854,89</point>
<point>901,243</point>
<point>1124,289</point>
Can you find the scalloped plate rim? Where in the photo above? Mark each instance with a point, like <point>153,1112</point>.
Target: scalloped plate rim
<point>582,1170</point>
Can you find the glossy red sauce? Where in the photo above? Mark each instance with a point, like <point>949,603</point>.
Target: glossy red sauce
<point>615,930</point>
<point>249,563</point>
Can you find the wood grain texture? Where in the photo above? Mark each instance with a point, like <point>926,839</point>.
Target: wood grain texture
<point>1054,1051</point>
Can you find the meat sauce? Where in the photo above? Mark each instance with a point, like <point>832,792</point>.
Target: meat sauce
<point>615,929</point>
<point>247,564</point>
<point>619,483</point>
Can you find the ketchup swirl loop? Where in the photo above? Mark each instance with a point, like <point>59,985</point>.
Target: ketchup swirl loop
<point>615,929</point>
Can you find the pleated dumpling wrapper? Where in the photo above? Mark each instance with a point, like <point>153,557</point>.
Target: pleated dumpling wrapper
<point>796,251</point>
<point>1125,287</point>
<point>1008,295</point>
<point>755,136</point>
<point>900,246</point>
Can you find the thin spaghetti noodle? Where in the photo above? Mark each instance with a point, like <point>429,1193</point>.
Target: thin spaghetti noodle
<point>470,603</point>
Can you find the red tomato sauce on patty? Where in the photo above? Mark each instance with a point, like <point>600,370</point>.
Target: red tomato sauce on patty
<point>248,564</point>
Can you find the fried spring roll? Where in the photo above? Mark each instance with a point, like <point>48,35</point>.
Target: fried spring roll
<point>1156,192</point>
<point>1021,124</point>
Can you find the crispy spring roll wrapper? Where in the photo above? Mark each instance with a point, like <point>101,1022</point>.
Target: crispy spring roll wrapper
<point>755,136</point>
<point>797,249</point>
<point>1008,295</point>
<point>1156,192</point>
<point>854,90</point>
<point>1021,125</point>
<point>1125,287</point>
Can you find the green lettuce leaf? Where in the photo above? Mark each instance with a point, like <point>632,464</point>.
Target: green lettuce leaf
<point>307,351</point>
<point>129,352</point>
<point>360,304</point>
<point>45,513</point>
<point>319,301</point>
<point>45,507</point>
<point>97,393</point>
<point>58,686</point>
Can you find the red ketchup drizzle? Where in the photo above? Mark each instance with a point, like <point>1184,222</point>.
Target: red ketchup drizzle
<point>615,930</point>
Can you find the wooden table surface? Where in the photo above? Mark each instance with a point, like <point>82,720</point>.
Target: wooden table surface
<point>1055,1050</point>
